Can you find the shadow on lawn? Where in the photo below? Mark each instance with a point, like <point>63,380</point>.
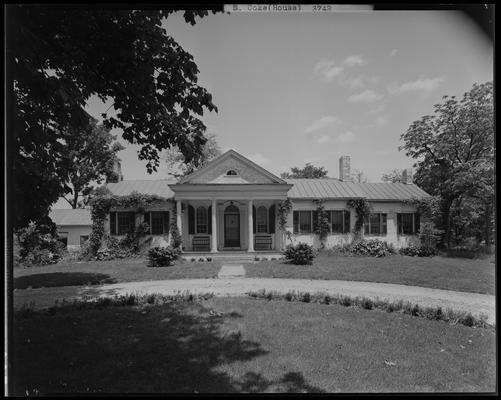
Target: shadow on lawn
<point>61,279</point>
<point>173,348</point>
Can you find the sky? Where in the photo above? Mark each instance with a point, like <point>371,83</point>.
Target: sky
<point>298,88</point>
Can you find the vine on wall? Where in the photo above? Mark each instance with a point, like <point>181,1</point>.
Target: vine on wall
<point>363,208</point>
<point>100,208</point>
<point>322,226</point>
<point>284,208</point>
<point>176,240</point>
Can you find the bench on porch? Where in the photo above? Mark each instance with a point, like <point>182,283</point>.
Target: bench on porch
<point>262,243</point>
<point>201,243</point>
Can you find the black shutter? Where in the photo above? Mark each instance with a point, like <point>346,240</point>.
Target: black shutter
<point>209,220</point>
<point>166,221</point>
<point>191,220</point>
<point>113,223</point>
<point>295,217</point>
<point>315,221</point>
<point>384,225</point>
<point>132,221</point>
<point>271,222</point>
<point>417,222</point>
<point>346,225</point>
<point>254,219</point>
<point>399,224</point>
<point>147,220</point>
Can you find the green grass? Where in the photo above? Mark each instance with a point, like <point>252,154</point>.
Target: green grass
<point>234,345</point>
<point>70,273</point>
<point>458,274</point>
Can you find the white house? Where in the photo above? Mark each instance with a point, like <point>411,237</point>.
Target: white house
<point>73,226</point>
<point>232,204</point>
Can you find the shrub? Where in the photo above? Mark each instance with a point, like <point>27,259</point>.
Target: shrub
<point>300,254</point>
<point>373,248</point>
<point>419,251</point>
<point>161,256</point>
<point>39,245</point>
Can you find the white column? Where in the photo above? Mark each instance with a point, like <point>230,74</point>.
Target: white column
<point>214,227</point>
<point>178,217</point>
<point>251,230</point>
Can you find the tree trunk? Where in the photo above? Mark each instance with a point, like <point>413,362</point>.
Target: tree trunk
<point>446,222</point>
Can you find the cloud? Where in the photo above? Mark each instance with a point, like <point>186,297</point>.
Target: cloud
<point>353,60</point>
<point>393,52</point>
<point>362,80</point>
<point>259,159</point>
<point>328,69</point>
<point>324,139</point>
<point>380,121</point>
<point>419,85</point>
<point>368,96</point>
<point>322,123</point>
<point>379,108</point>
<point>346,137</point>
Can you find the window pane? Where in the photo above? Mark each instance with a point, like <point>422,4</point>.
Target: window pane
<point>262,220</point>
<point>124,223</point>
<point>407,224</point>
<point>383,223</point>
<point>374,222</point>
<point>201,220</point>
<point>157,223</point>
<point>346,228</point>
<point>337,222</point>
<point>305,221</point>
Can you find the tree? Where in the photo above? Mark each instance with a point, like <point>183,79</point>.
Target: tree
<point>309,171</point>
<point>91,154</point>
<point>58,57</point>
<point>359,176</point>
<point>177,164</point>
<point>394,176</point>
<point>454,150</point>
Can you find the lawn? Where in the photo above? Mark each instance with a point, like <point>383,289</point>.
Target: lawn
<point>235,345</point>
<point>461,274</point>
<point>74,273</point>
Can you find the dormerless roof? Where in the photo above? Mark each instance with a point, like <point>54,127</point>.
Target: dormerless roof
<point>78,216</point>
<point>303,189</point>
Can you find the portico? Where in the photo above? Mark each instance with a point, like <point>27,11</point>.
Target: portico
<point>229,205</point>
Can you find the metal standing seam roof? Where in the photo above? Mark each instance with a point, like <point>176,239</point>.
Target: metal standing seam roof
<point>302,189</point>
<point>159,187</point>
<point>65,217</point>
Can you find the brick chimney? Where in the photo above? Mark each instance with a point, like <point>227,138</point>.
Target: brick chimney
<point>344,169</point>
<point>117,169</point>
<point>407,176</point>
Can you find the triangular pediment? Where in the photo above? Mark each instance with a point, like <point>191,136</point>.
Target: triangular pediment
<point>243,171</point>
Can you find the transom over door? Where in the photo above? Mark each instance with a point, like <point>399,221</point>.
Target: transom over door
<point>231,227</point>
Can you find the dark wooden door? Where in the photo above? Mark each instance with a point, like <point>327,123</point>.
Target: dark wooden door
<point>231,230</point>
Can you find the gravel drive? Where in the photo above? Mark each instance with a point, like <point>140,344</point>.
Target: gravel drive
<point>458,301</point>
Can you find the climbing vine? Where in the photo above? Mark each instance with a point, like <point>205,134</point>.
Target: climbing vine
<point>284,208</point>
<point>176,240</point>
<point>363,208</point>
<point>100,208</point>
<point>321,225</point>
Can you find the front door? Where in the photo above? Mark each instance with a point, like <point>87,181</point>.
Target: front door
<point>231,230</point>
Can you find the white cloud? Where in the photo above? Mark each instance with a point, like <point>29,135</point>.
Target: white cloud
<point>393,52</point>
<point>259,159</point>
<point>353,60</point>
<point>324,139</point>
<point>322,123</point>
<point>363,80</point>
<point>368,96</point>
<point>379,108</point>
<point>380,121</point>
<point>422,84</point>
<point>328,69</point>
<point>346,137</point>
<point>311,159</point>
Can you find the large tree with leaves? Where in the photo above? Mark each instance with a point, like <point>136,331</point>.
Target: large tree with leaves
<point>177,166</point>
<point>308,171</point>
<point>454,149</point>
<point>58,57</point>
<point>91,155</point>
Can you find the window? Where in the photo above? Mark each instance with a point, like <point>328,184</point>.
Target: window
<point>83,239</point>
<point>305,225</point>
<point>375,224</point>
<point>159,225</point>
<point>231,172</point>
<point>201,220</point>
<point>125,222</point>
<point>262,219</point>
<point>337,221</point>
<point>63,238</point>
<point>407,223</point>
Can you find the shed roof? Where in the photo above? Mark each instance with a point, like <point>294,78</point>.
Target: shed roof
<point>65,217</point>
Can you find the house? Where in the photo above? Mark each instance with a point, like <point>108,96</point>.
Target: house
<point>233,204</point>
<point>73,226</point>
